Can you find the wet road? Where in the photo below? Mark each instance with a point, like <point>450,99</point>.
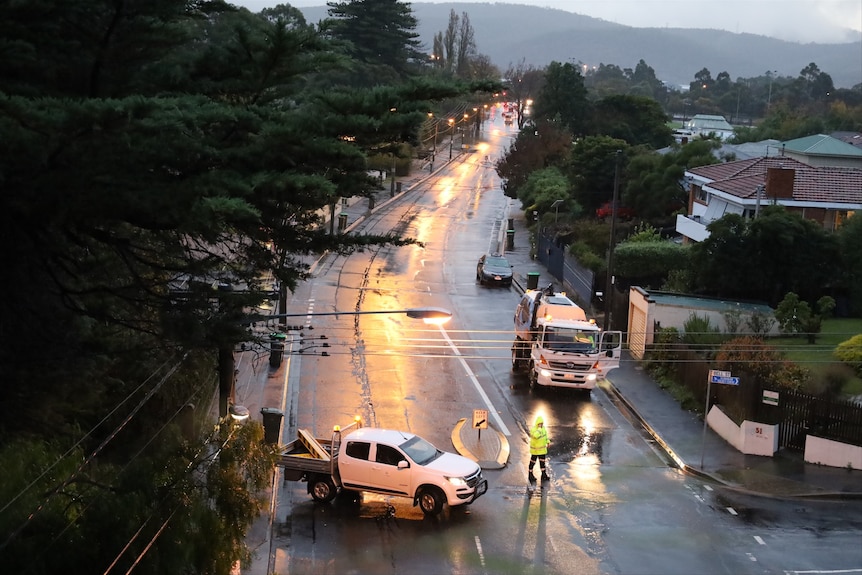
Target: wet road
<point>614,505</point>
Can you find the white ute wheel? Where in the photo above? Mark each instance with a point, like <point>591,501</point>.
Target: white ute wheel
<point>431,501</point>
<point>322,489</point>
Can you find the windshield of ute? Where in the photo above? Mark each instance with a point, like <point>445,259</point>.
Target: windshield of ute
<point>570,340</point>
<point>420,450</point>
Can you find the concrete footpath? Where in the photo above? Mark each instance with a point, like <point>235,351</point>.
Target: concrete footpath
<point>678,432</point>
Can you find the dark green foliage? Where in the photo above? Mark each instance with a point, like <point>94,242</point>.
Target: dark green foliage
<point>635,119</point>
<point>381,34</point>
<point>152,151</point>
<point>770,252</point>
<point>701,335</point>
<point>563,98</point>
<point>652,183</point>
<point>635,261</point>
<point>850,238</point>
<point>591,169</point>
<point>759,324</point>
<point>537,147</point>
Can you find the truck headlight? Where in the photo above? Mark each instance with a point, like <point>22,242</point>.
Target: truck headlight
<point>544,373</point>
<point>457,481</point>
<point>591,377</point>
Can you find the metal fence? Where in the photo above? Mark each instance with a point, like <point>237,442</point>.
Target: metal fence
<point>797,414</point>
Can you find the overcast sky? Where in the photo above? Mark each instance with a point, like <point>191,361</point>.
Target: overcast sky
<point>830,21</point>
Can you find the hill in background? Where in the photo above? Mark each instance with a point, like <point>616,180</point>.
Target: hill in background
<point>509,33</point>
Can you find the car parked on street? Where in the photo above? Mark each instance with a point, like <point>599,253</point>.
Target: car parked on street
<point>494,269</point>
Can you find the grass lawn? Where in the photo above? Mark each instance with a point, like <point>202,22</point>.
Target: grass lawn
<point>818,358</point>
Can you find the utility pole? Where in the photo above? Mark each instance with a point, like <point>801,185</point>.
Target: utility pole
<point>609,282</point>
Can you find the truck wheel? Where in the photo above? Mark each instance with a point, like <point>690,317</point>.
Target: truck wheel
<point>322,489</point>
<point>516,363</point>
<point>534,378</point>
<point>431,501</point>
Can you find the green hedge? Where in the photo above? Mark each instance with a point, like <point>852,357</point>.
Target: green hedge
<point>649,259</point>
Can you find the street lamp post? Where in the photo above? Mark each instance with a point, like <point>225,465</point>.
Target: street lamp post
<point>556,206</point>
<point>451,135</point>
<point>609,297</point>
<point>392,185</point>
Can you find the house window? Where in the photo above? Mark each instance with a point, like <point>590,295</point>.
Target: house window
<point>700,195</point>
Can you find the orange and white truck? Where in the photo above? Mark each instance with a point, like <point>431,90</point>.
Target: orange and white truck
<point>558,345</point>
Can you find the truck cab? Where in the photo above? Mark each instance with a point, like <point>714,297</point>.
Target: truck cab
<point>559,345</point>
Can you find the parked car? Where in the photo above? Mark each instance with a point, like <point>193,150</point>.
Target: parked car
<point>623,212</point>
<point>494,269</point>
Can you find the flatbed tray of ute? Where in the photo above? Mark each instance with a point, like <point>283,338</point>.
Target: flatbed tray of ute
<point>315,447</point>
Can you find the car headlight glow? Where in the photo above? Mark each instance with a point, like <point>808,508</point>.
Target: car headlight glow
<point>457,481</point>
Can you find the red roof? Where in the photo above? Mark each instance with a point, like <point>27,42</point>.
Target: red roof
<point>811,183</point>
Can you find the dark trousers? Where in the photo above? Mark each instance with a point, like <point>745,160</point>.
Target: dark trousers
<point>541,459</point>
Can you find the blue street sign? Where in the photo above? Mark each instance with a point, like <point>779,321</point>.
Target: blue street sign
<point>724,380</point>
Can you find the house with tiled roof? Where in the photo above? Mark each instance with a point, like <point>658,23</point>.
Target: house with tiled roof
<point>827,194</point>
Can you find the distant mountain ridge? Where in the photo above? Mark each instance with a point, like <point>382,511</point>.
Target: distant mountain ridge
<point>509,33</point>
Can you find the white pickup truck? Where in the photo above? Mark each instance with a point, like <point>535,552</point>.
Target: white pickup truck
<point>382,461</point>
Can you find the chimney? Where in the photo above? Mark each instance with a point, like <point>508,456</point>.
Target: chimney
<point>779,183</point>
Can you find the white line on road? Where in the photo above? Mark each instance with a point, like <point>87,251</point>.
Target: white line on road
<point>479,549</point>
<point>502,426</point>
<point>759,539</point>
<point>731,510</point>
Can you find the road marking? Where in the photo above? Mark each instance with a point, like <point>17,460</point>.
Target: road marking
<point>501,426</point>
<point>479,549</point>
<point>707,487</point>
<point>731,510</point>
<point>759,539</point>
<point>751,557</point>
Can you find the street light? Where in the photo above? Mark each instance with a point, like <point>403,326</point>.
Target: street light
<point>238,413</point>
<point>556,206</point>
<point>451,135</point>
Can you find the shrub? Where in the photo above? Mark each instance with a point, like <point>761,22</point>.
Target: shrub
<point>700,334</point>
<point>759,324</point>
<point>831,381</point>
<point>850,352</point>
<point>751,356</point>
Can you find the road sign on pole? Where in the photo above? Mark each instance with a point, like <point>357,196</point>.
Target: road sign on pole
<point>724,380</point>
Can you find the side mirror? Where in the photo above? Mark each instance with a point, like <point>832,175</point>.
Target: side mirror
<point>403,464</point>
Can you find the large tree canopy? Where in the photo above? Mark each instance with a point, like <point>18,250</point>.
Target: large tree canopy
<point>151,151</point>
<point>563,98</point>
<point>763,258</point>
<point>378,33</point>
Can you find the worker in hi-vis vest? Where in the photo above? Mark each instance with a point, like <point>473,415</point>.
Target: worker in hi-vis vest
<point>539,442</point>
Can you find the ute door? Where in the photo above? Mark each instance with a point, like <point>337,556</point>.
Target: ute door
<point>354,464</point>
<point>610,349</point>
<point>390,472</point>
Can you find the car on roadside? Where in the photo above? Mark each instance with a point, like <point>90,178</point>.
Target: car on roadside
<point>606,210</point>
<point>494,269</point>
